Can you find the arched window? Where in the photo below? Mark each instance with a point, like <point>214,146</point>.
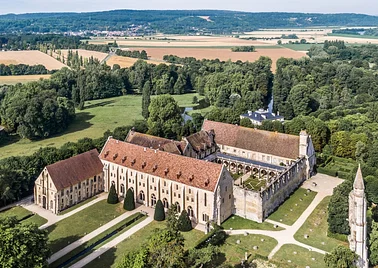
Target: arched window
<point>122,190</point>
<point>153,200</point>
<point>51,204</point>
<point>165,203</point>
<point>178,207</point>
<point>141,196</point>
<point>113,183</point>
<point>190,211</point>
<point>132,189</point>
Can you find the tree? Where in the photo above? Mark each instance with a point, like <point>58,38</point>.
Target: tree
<point>374,213</point>
<point>159,214</point>
<point>246,122</point>
<point>300,100</point>
<point>340,257</point>
<point>373,241</point>
<point>172,219</point>
<point>195,100</point>
<point>129,203</point>
<point>338,209</point>
<point>22,245</point>
<point>112,196</point>
<point>203,256</point>
<point>184,222</point>
<point>146,99</point>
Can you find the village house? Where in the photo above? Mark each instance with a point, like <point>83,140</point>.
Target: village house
<point>261,115</point>
<point>68,182</point>
<point>203,188</point>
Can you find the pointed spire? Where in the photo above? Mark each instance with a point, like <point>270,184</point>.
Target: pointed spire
<point>359,181</point>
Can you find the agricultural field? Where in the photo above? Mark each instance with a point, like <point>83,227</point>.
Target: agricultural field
<point>126,62</point>
<point>15,79</point>
<point>86,53</point>
<point>32,57</point>
<point>97,117</point>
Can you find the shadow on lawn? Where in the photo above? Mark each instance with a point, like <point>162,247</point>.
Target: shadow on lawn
<point>105,260</point>
<point>99,104</point>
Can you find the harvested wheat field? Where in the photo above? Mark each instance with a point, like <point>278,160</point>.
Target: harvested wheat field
<point>225,54</point>
<point>32,57</point>
<point>86,53</point>
<point>126,62</point>
<point>14,79</point>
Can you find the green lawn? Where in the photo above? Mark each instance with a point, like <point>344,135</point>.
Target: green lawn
<point>316,227</point>
<point>78,205</point>
<point>237,223</point>
<point>21,213</point>
<point>301,47</point>
<point>293,207</point>
<point>134,242</point>
<point>82,247</point>
<point>78,225</point>
<point>92,122</point>
<point>301,259</point>
<point>235,252</point>
<point>203,111</point>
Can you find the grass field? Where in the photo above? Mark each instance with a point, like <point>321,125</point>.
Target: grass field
<point>293,207</point>
<point>316,227</point>
<point>92,122</point>
<point>299,257</point>
<point>97,238</point>
<point>234,252</point>
<point>15,79</point>
<point>237,223</point>
<point>126,62</point>
<point>78,205</point>
<point>78,225</point>
<point>301,47</point>
<point>113,256</point>
<point>22,213</point>
<point>30,57</point>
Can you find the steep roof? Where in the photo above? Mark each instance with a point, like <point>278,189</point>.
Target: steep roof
<point>359,181</point>
<point>262,115</point>
<point>186,170</point>
<point>75,169</point>
<point>200,140</point>
<point>267,142</point>
<point>153,142</point>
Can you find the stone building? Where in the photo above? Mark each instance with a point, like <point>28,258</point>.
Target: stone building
<point>68,182</point>
<point>261,115</point>
<point>273,165</point>
<point>203,188</point>
<point>357,221</point>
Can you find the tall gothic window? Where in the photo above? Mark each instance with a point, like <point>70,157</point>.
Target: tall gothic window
<point>141,196</point>
<point>153,200</point>
<point>165,203</point>
<point>190,211</point>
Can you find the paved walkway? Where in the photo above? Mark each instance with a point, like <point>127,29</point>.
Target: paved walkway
<point>53,218</point>
<point>26,200</point>
<point>323,184</point>
<point>111,244</point>
<point>93,234</point>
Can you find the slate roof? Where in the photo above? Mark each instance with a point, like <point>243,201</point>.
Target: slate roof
<point>201,140</point>
<point>154,142</point>
<point>262,141</point>
<point>75,169</point>
<point>262,115</point>
<point>190,171</point>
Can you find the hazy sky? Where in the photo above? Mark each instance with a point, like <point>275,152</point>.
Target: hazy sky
<point>323,6</point>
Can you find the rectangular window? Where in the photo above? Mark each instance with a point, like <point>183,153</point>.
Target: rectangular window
<point>229,196</point>
<point>176,186</point>
<point>62,192</point>
<point>192,199</point>
<point>150,187</point>
<point>155,188</point>
<point>222,200</point>
<point>94,179</point>
<point>174,194</point>
<point>190,190</point>
<point>205,199</point>
<point>153,180</point>
<point>130,180</point>
<point>71,189</point>
<point>140,184</point>
<point>179,195</point>
<point>187,198</point>
<point>144,185</point>
<point>226,188</point>
<point>165,183</point>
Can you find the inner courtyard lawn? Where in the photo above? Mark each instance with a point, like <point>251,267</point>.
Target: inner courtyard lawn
<point>302,258</point>
<point>96,117</point>
<point>238,223</point>
<point>293,207</point>
<point>113,256</point>
<point>22,215</point>
<point>234,252</point>
<point>82,223</point>
<point>316,227</point>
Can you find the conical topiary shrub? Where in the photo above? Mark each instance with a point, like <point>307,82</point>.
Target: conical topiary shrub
<point>159,211</point>
<point>184,222</point>
<point>129,203</point>
<point>112,196</point>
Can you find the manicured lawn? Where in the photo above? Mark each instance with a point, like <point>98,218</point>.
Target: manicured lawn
<point>134,242</point>
<point>235,252</point>
<point>21,213</point>
<point>78,225</point>
<point>293,207</point>
<point>96,239</point>
<point>302,258</point>
<point>92,122</point>
<point>316,227</point>
<point>78,205</point>
<point>237,223</point>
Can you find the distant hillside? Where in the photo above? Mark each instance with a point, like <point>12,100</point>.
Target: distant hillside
<point>175,21</point>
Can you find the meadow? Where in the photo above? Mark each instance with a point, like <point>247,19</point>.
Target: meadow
<point>15,79</point>
<point>31,57</point>
<point>97,117</point>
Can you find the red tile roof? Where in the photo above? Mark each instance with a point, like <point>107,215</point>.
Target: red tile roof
<point>201,140</point>
<point>256,140</point>
<point>186,170</point>
<point>75,169</point>
<point>153,142</point>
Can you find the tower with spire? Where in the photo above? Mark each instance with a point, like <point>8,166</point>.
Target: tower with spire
<point>357,221</point>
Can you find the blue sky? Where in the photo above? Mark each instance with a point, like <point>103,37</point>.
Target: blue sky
<point>322,6</point>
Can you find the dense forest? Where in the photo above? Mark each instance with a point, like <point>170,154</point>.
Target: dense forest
<point>174,21</point>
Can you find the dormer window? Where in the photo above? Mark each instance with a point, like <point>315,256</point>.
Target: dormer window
<point>207,182</point>
<point>124,159</point>
<point>191,178</point>
<point>115,156</point>
<point>106,153</point>
<point>166,171</point>
<point>154,168</point>
<point>133,161</point>
<point>144,164</point>
<point>179,174</point>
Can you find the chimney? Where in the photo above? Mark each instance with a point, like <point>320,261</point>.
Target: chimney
<point>278,113</point>
<point>145,149</point>
<point>249,112</point>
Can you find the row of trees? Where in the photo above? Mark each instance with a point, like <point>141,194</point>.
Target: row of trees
<point>22,69</point>
<point>243,49</point>
<point>132,54</point>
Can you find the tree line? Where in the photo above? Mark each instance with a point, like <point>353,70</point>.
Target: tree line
<point>243,49</point>
<point>133,54</point>
<point>23,69</point>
